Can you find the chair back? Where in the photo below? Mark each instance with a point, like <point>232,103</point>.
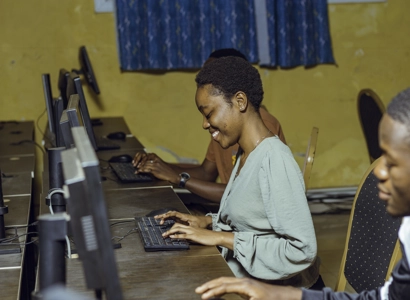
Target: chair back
<point>372,246</point>
<point>310,156</point>
<point>370,109</point>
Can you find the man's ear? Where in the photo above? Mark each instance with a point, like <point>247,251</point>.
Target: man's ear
<point>241,101</point>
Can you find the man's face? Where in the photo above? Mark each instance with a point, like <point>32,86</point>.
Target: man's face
<point>393,169</point>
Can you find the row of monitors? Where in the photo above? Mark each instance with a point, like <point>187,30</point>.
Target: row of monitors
<point>86,207</point>
<point>69,83</point>
<point>57,111</point>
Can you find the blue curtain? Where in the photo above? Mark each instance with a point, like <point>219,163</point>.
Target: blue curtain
<point>180,34</point>
<point>298,34</point>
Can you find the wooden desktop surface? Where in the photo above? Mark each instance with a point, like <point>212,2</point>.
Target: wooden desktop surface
<point>16,138</point>
<point>11,265</point>
<point>16,131</point>
<point>17,184</point>
<point>156,275</point>
<point>110,124</point>
<point>17,164</point>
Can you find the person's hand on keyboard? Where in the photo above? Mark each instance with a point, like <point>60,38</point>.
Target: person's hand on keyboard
<point>186,219</point>
<point>200,235</point>
<point>151,163</point>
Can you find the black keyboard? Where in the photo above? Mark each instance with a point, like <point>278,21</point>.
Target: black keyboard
<point>151,235</point>
<point>105,144</point>
<point>126,173</point>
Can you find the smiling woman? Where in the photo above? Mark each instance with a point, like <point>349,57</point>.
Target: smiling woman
<point>263,226</point>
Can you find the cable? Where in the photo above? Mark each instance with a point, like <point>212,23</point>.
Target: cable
<point>68,246</point>
<point>49,195</point>
<point>8,241</point>
<point>121,222</point>
<point>120,238</point>
<point>38,119</point>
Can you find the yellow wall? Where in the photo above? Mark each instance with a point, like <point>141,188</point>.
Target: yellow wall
<point>371,48</point>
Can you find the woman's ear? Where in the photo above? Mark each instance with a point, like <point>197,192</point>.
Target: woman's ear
<point>241,101</point>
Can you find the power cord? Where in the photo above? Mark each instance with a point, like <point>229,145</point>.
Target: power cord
<point>38,126</point>
<point>48,197</point>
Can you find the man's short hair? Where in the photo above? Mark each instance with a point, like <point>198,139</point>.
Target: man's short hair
<point>229,75</point>
<point>227,52</point>
<point>399,108</point>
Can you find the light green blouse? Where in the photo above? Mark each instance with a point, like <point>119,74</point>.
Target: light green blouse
<point>266,208</point>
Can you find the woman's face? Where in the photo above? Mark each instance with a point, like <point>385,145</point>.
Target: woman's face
<point>220,118</point>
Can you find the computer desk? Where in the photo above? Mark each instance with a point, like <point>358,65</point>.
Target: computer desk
<point>17,165</point>
<point>16,131</point>
<point>11,265</point>
<point>110,124</point>
<point>117,124</point>
<point>157,275</point>
<point>16,138</point>
<point>143,275</point>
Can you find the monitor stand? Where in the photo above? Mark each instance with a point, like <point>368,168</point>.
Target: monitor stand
<point>55,196</point>
<point>52,266</point>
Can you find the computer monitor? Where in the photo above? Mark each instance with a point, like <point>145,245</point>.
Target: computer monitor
<point>58,111</point>
<point>74,86</point>
<point>65,128</point>
<point>88,216</point>
<point>87,70</point>
<point>73,111</point>
<point>48,97</point>
<point>62,85</point>
<point>71,117</point>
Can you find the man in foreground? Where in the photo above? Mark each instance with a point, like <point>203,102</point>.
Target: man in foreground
<point>393,172</point>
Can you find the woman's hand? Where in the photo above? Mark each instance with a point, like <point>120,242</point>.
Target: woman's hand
<point>195,234</point>
<point>151,163</point>
<point>187,219</point>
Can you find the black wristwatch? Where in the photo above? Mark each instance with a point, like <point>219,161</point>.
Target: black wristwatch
<point>184,178</point>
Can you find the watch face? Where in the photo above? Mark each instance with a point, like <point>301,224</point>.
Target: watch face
<point>185,175</point>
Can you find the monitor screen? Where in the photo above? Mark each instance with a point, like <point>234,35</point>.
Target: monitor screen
<point>71,117</point>
<point>51,131</point>
<point>48,96</point>
<point>58,112</point>
<point>65,129</point>
<point>73,111</point>
<point>88,216</point>
<point>62,85</point>
<point>74,86</point>
<point>87,70</point>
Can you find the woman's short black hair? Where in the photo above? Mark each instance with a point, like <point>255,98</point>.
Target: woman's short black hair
<point>227,52</point>
<point>229,75</point>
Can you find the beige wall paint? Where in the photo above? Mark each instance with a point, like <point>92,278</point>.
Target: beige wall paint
<point>370,45</point>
